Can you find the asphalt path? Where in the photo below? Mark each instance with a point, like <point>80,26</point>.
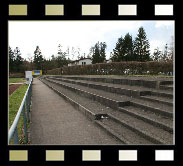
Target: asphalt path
<point>55,122</point>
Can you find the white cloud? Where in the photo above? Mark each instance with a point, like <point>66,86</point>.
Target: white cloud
<point>83,34</point>
<point>164,24</point>
<point>157,43</point>
<point>48,34</point>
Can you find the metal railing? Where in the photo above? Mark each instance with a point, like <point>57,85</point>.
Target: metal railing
<point>25,105</point>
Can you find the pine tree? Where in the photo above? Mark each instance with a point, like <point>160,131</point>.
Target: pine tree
<point>18,61</point>
<point>123,50</point>
<point>117,54</point>
<point>141,46</point>
<point>102,49</point>
<point>11,60</point>
<point>128,47</point>
<point>98,52</point>
<point>38,58</point>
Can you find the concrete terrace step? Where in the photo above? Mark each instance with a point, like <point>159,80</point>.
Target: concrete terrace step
<point>162,93</point>
<point>125,135</point>
<point>149,117</point>
<point>120,89</point>
<point>133,81</point>
<point>146,130</point>
<point>124,127</point>
<point>143,114</point>
<point>128,90</point>
<point>110,100</point>
<point>57,122</point>
<point>95,109</point>
<point>161,109</point>
<point>166,87</point>
<point>158,99</point>
<point>116,100</point>
<point>166,82</point>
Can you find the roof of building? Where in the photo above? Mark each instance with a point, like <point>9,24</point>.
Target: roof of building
<point>79,60</point>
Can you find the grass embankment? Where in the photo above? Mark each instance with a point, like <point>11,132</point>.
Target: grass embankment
<point>16,80</point>
<point>15,100</point>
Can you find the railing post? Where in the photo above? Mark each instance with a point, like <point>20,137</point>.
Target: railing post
<point>15,137</point>
<point>25,124</point>
<point>31,89</point>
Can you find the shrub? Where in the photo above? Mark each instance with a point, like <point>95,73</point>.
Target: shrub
<point>116,68</point>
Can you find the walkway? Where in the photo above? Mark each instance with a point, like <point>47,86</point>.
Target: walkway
<point>55,121</point>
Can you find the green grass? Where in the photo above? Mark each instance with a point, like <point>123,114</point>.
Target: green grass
<point>14,103</point>
<point>16,80</point>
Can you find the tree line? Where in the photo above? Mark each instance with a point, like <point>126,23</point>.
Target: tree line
<point>37,62</point>
<point>126,49</point>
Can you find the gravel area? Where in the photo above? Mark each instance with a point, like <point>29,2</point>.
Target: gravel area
<point>13,87</point>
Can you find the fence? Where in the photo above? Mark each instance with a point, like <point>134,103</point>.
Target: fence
<point>13,131</point>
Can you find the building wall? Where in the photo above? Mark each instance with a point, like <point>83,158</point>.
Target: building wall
<point>87,62</point>
<point>81,62</point>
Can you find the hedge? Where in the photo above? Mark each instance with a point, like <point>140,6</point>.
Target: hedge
<point>56,71</point>
<point>14,75</point>
<point>117,68</point>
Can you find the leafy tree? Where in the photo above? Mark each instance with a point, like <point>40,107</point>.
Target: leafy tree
<point>30,61</point>
<point>157,54</point>
<point>166,54</point>
<point>61,58</point>
<point>123,50</point>
<point>171,49</point>
<point>38,58</point>
<point>98,52</point>
<point>141,46</point>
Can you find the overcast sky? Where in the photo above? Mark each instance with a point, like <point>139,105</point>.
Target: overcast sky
<point>82,34</point>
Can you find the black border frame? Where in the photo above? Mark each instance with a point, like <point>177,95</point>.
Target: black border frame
<point>73,154</point>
